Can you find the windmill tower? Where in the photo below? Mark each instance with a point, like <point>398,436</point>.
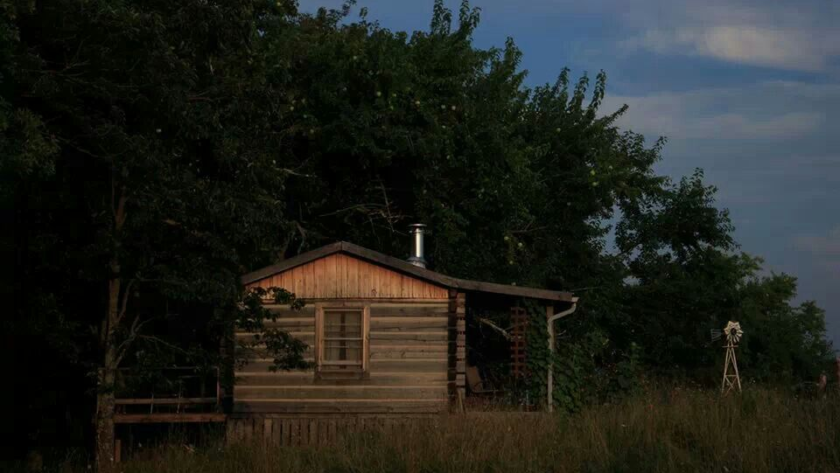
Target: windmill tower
<point>731,377</point>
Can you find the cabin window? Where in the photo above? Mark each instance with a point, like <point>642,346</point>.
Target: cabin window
<point>343,334</point>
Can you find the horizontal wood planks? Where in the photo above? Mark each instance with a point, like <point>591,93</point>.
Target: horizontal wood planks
<point>294,431</point>
<point>342,276</point>
<point>169,418</point>
<point>306,378</point>
<point>351,392</point>
<point>409,349</point>
<point>343,406</point>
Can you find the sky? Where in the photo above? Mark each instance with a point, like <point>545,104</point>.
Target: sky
<point>747,90</point>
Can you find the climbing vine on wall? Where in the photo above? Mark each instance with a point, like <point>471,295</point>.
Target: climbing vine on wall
<point>586,369</point>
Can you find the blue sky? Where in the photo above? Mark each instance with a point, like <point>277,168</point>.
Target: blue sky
<point>747,90</point>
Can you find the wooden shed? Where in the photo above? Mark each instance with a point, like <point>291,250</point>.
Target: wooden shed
<point>386,337</point>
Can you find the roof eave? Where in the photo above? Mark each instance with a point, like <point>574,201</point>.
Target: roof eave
<point>406,268</point>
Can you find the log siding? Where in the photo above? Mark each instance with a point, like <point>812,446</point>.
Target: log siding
<point>408,365</point>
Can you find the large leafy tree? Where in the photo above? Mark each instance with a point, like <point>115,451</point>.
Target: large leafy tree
<point>787,342</point>
<point>145,159</point>
<point>688,277</point>
<point>516,184</point>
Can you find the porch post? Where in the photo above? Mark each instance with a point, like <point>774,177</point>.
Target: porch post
<point>551,317</point>
<point>549,312</point>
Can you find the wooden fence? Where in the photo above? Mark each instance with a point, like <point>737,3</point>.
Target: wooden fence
<point>315,431</point>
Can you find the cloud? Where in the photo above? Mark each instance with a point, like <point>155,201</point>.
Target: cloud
<point>747,44</point>
<point>770,144</point>
<point>771,111</point>
<point>794,36</point>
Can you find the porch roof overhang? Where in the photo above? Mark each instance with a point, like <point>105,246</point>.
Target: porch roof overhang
<point>409,269</point>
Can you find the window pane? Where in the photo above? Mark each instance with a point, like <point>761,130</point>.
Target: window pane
<point>343,337</point>
<point>343,324</point>
<point>344,332</point>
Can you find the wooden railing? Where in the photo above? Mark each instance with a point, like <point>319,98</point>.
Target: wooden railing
<point>173,395</point>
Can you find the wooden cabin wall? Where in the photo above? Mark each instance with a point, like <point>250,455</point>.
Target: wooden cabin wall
<point>409,364</point>
<point>340,276</point>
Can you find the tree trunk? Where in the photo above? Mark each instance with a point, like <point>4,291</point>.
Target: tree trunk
<point>105,402</point>
<point>105,423</point>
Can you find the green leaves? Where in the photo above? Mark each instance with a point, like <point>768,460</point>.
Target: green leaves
<point>587,368</point>
<point>251,316</point>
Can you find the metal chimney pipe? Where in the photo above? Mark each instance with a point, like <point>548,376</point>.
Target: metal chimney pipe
<point>417,231</point>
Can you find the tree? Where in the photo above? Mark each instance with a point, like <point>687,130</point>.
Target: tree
<point>785,343</point>
<point>688,278</point>
<point>514,183</point>
<point>143,140</point>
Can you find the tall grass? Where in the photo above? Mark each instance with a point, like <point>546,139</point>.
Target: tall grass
<point>677,430</point>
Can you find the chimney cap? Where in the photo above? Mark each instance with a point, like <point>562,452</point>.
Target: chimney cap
<point>417,245</point>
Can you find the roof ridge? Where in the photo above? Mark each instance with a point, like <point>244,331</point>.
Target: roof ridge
<point>405,267</point>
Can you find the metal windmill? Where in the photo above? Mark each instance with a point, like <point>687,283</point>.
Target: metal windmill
<point>731,377</point>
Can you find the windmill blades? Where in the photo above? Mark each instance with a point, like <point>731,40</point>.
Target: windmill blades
<point>716,334</point>
<point>733,332</point>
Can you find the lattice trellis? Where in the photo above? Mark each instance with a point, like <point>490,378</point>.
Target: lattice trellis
<point>518,342</point>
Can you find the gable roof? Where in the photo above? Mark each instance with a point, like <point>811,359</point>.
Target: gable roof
<point>407,268</point>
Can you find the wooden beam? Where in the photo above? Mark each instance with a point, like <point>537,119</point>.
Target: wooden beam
<point>457,360</point>
<point>362,392</point>
<point>388,311</point>
<point>183,401</point>
<point>341,406</point>
<point>366,340</point>
<point>169,418</point>
<point>377,378</point>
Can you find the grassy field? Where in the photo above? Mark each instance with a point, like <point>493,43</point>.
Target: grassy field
<point>673,430</point>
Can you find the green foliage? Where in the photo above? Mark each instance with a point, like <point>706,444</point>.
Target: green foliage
<point>429,128</point>
<point>687,278</point>
<point>539,356</point>
<point>786,343</point>
<point>143,171</point>
<point>586,369</point>
<point>286,350</point>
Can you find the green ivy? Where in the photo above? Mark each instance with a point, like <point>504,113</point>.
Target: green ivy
<point>587,369</point>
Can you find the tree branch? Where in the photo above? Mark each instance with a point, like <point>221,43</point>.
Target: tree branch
<point>159,341</point>
<point>495,327</point>
<point>124,302</point>
<point>134,331</point>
